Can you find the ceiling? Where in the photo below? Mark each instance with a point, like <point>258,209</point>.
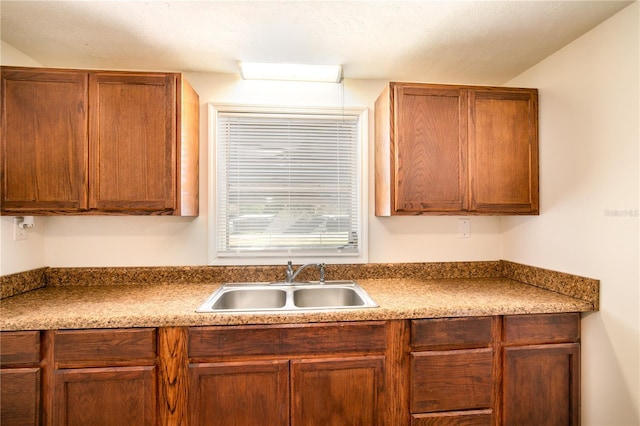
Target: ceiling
<point>474,42</point>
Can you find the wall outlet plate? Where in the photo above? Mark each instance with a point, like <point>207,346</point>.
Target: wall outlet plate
<point>464,228</point>
<point>18,232</point>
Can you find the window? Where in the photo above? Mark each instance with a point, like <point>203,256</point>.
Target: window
<point>288,185</point>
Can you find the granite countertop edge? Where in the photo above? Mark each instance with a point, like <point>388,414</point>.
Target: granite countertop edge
<point>173,305</point>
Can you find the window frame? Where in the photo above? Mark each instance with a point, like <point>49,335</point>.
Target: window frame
<point>255,258</point>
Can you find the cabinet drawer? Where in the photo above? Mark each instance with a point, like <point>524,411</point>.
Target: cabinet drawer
<point>19,348</point>
<point>453,418</point>
<point>104,347</point>
<point>451,380</point>
<point>537,329</point>
<point>300,339</point>
<point>451,333</point>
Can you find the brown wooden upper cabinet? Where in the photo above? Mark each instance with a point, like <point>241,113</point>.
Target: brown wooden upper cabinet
<point>98,142</point>
<point>445,149</point>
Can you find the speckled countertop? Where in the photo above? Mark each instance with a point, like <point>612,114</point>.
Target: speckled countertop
<point>174,304</point>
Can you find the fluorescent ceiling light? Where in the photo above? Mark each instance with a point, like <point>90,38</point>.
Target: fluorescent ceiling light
<point>290,72</point>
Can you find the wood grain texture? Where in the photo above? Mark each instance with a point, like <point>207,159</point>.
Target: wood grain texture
<point>278,340</point>
<point>132,150</point>
<point>542,385</point>
<point>451,380</point>
<point>111,396</point>
<point>453,149</point>
<point>19,348</point>
<point>337,391</point>
<point>451,333</point>
<point>20,402</point>
<point>430,149</point>
<point>189,154</point>
<point>397,373</point>
<point>132,141</point>
<point>503,150</point>
<point>44,140</point>
<point>453,418</point>
<point>239,393</point>
<point>173,384</point>
<point>78,348</point>
<point>544,328</point>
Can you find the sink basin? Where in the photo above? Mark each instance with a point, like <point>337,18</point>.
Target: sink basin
<point>254,298</point>
<point>270,297</point>
<point>322,296</point>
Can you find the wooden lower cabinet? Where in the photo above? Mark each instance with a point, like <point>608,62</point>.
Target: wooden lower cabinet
<point>239,393</point>
<point>501,370</point>
<point>20,378</point>
<point>103,377</point>
<point>453,371</point>
<point>105,396</point>
<point>337,391</point>
<point>313,374</point>
<point>541,370</point>
<point>20,396</point>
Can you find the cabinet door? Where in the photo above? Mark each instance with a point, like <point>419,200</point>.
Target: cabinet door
<point>337,391</point>
<point>541,385</point>
<point>20,396</point>
<point>239,393</point>
<point>44,140</point>
<point>133,142</point>
<point>430,149</point>
<point>111,396</point>
<point>503,151</point>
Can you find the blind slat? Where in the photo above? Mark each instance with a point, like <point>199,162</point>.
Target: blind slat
<point>287,182</point>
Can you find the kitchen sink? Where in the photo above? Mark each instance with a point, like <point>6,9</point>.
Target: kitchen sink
<point>280,296</point>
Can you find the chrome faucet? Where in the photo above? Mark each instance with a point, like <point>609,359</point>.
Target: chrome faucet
<point>291,275</point>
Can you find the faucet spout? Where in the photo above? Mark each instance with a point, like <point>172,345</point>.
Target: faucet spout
<point>290,275</point>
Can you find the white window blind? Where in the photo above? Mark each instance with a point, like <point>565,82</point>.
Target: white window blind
<point>287,184</point>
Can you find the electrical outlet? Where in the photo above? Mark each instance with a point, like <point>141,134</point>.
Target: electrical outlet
<point>18,232</point>
<point>464,228</point>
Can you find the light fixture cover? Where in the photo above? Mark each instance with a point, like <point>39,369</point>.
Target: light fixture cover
<point>290,72</point>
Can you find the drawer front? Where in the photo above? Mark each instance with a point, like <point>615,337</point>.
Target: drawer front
<point>451,380</point>
<point>542,328</point>
<point>302,339</point>
<point>454,418</point>
<point>19,348</point>
<point>451,333</point>
<point>102,347</point>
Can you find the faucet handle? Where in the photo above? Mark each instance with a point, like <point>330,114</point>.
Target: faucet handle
<point>289,272</point>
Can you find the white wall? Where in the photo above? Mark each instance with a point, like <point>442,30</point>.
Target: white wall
<point>589,162</point>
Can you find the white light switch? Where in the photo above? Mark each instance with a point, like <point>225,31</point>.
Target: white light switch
<point>464,228</point>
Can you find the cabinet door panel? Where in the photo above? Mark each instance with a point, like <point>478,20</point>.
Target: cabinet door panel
<point>451,380</point>
<point>20,396</point>
<point>44,140</point>
<point>542,385</point>
<point>133,141</point>
<point>239,393</point>
<point>430,147</point>
<point>503,151</point>
<point>105,396</point>
<point>339,391</point>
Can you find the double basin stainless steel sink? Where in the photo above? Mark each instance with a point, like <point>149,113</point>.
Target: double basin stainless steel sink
<point>282,296</point>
